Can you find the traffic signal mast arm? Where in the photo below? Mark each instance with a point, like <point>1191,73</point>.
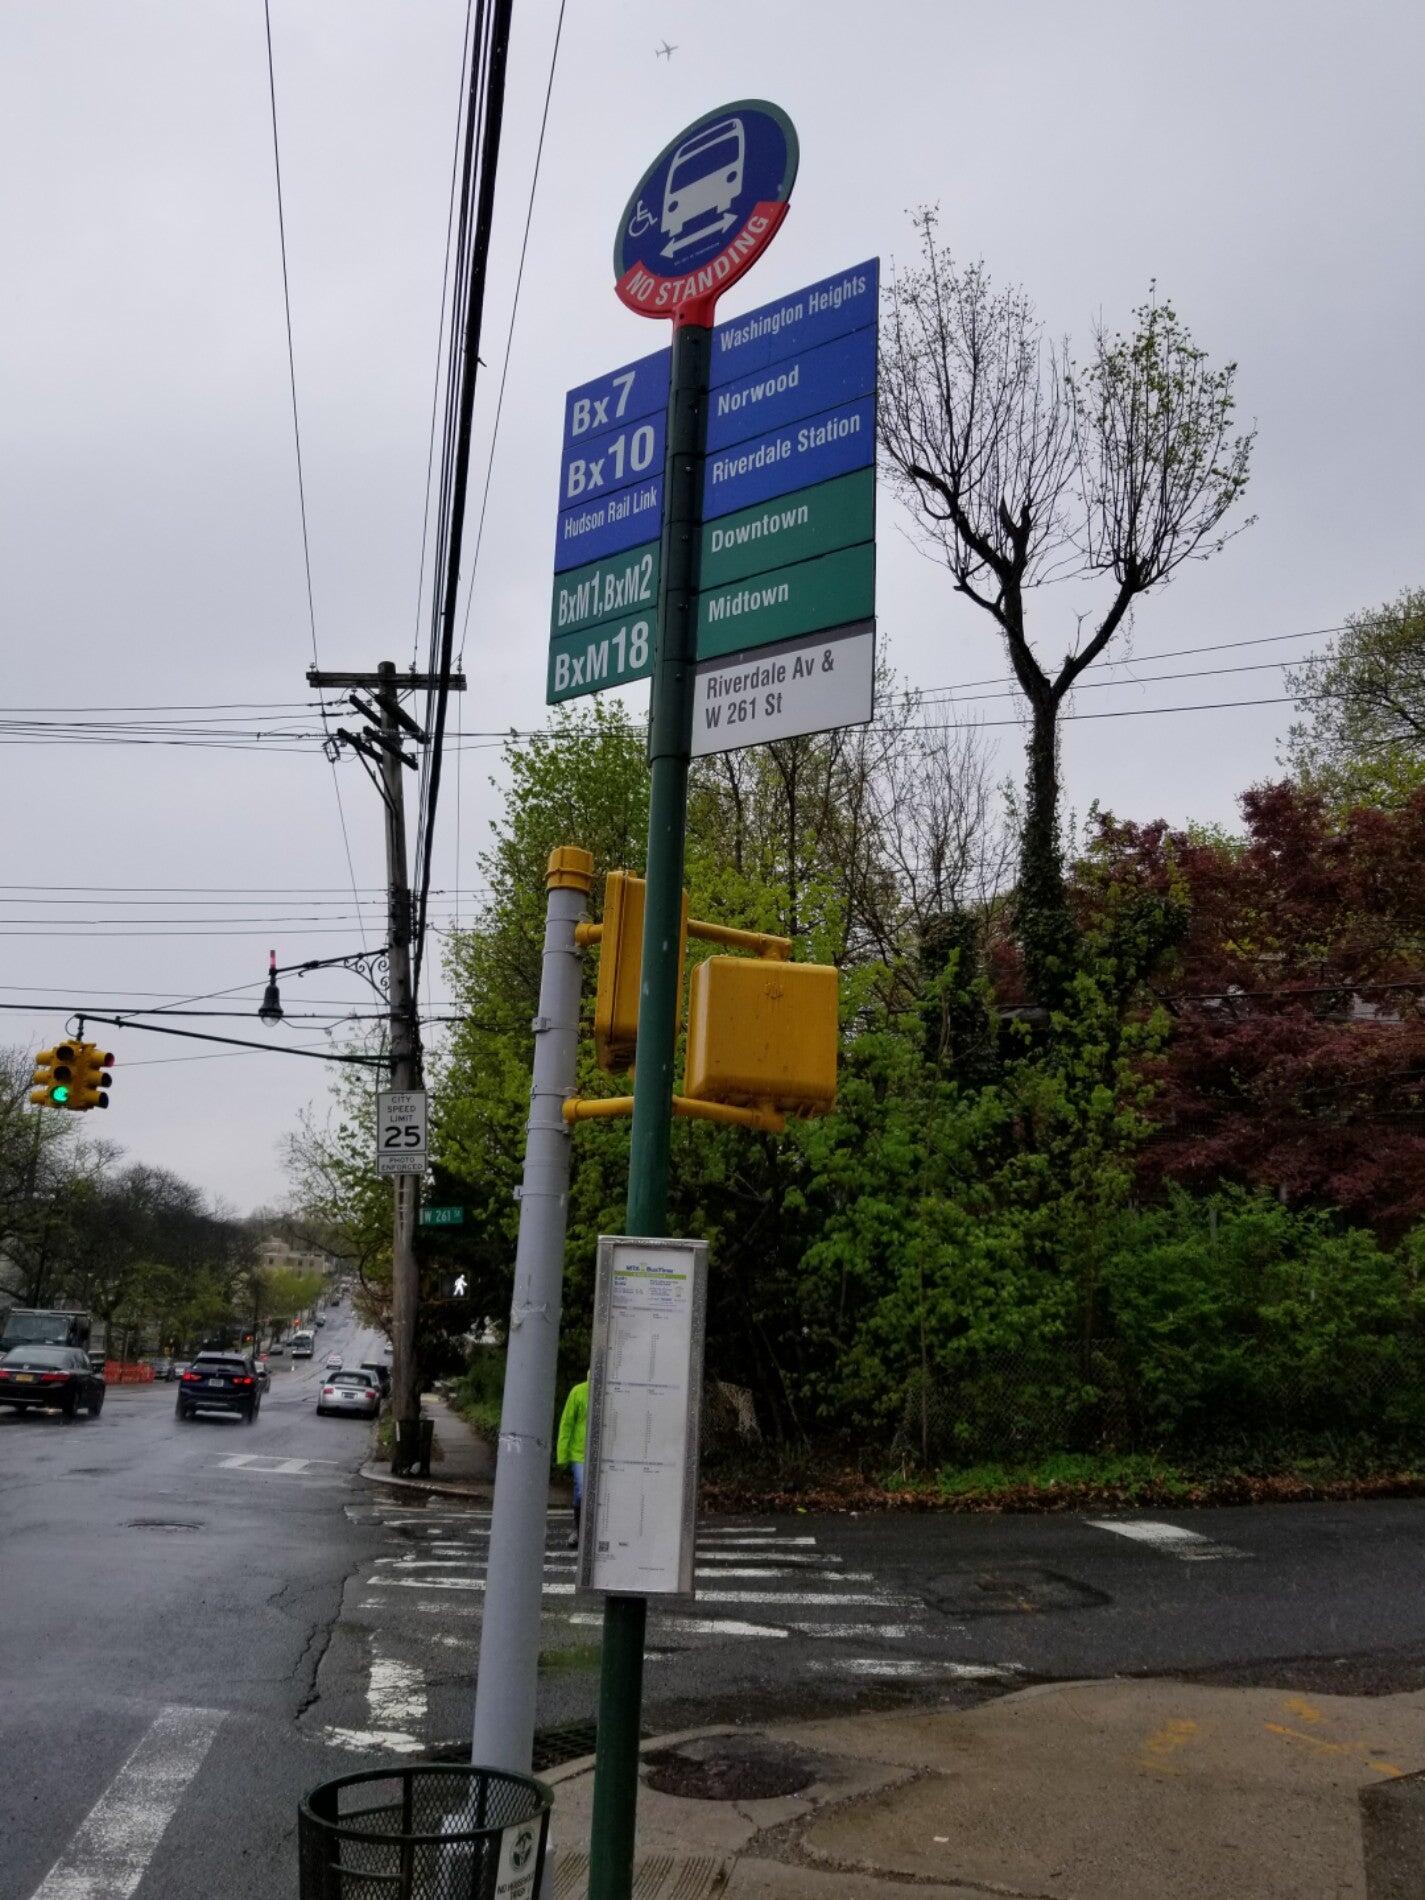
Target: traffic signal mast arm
<point>601,1107</point>
<point>774,949</point>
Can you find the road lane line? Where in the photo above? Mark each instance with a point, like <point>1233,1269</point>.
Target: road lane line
<point>114,1843</point>
<point>1189,1547</point>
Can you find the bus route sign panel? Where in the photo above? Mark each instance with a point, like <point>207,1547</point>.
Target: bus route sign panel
<point>705,210</point>
<point>797,456</point>
<point>783,692</point>
<point>605,590</point>
<point>793,387</point>
<point>797,322</point>
<point>781,605</point>
<point>614,654</point>
<point>795,527</point>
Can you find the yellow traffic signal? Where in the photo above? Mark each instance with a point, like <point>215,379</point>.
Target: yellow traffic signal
<point>620,939</point>
<point>763,1034</point>
<point>53,1079</point>
<point>92,1079</point>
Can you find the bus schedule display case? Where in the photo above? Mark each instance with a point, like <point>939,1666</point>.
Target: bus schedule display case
<point>645,1403</point>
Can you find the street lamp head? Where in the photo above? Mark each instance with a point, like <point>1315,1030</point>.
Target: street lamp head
<point>270,1013</point>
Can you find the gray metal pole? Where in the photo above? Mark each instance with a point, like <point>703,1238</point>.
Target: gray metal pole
<point>514,1585</point>
<point>405,1074</point>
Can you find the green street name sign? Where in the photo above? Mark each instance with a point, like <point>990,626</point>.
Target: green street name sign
<point>442,1217</point>
<point>787,602</point>
<point>609,589</point>
<point>795,527</point>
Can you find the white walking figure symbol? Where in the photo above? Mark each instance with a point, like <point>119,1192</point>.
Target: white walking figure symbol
<point>459,1285</point>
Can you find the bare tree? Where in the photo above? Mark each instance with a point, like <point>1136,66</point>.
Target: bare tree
<point>1023,469</point>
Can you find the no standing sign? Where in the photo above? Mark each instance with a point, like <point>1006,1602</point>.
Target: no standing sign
<point>705,210</point>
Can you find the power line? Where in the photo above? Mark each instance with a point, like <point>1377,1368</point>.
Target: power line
<point>510,334</point>
<point>465,50</point>
<point>443,618</point>
<point>297,431</point>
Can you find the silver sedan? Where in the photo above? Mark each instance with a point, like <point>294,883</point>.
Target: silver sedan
<point>356,1394</point>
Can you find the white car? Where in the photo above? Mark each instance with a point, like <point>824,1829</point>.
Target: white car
<point>355,1393</point>
<point>333,1362</point>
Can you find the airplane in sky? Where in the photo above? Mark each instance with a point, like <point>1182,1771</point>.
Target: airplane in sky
<point>665,51</point>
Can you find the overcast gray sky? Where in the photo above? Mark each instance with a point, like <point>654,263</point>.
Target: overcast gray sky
<point>1262,161</point>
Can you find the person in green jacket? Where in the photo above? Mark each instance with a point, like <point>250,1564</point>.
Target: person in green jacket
<point>573,1426</point>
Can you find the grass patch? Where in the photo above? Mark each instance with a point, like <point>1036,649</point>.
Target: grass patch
<point>1128,1472</point>
<point>477,1394</point>
<point>578,1656</point>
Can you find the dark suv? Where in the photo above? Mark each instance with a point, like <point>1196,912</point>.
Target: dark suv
<point>220,1382</point>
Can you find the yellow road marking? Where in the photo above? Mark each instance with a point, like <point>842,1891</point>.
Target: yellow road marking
<point>1322,1747</point>
<point>1163,1744</point>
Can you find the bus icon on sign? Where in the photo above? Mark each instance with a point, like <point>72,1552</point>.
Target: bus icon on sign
<point>704,181</point>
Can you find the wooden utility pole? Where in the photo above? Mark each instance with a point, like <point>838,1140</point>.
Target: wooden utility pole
<point>380,747</point>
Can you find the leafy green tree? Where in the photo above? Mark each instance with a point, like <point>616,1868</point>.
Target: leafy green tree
<point>1361,738</point>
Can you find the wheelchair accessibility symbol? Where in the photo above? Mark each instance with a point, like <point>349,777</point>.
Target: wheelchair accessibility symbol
<point>641,221</point>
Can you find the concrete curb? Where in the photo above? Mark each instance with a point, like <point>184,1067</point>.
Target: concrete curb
<point>583,1764</point>
<point>374,1475</point>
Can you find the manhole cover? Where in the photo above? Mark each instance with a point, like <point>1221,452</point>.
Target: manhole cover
<point>160,1524</point>
<point>1017,1590</point>
<point>729,1768</point>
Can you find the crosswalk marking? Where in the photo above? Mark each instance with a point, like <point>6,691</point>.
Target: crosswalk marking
<point>396,1709</point>
<point>267,1466</point>
<point>114,1843</point>
<point>911,1668</point>
<point>756,1583</point>
<point>1189,1547</point>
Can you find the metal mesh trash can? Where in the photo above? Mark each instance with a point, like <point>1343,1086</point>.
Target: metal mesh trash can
<point>436,1832</point>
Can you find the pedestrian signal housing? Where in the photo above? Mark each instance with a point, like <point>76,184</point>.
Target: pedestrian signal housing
<point>620,939</point>
<point>92,1080</point>
<point>763,1034</point>
<point>53,1079</point>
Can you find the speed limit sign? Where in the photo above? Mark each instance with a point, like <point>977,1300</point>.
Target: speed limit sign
<point>401,1131</point>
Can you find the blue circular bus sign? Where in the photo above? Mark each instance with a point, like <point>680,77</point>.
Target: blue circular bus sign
<point>705,210</point>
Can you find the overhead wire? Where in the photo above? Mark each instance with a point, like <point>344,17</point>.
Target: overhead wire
<point>510,333</point>
<point>297,433</point>
<point>445,601</point>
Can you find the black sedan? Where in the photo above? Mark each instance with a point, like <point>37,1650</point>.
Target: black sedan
<point>219,1382</point>
<point>57,1378</point>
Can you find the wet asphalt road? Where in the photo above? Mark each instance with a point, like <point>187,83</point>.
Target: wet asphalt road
<point>139,1572</point>
<point>326,1623</point>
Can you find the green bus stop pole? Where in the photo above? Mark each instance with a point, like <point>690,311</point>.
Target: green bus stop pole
<point>669,738</point>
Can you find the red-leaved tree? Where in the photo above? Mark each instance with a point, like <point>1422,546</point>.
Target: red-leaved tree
<point>1297,996</point>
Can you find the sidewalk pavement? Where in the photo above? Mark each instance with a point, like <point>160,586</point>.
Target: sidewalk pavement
<point>1116,1790</point>
<point>464,1462</point>
<point>463,1465</point>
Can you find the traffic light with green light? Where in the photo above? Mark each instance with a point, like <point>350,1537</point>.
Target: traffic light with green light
<point>92,1079</point>
<point>53,1080</point>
